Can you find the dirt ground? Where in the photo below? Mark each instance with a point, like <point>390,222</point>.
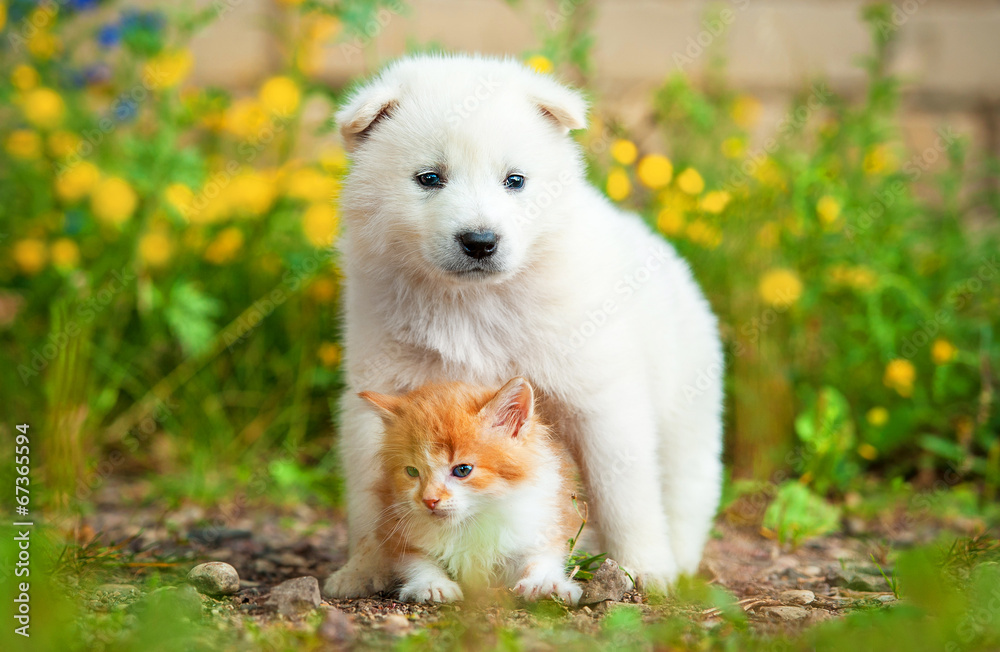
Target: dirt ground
<point>779,589</point>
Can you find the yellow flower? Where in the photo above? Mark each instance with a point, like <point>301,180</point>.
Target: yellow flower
<point>329,354</point>
<point>65,254</point>
<point>167,69</point>
<point>624,151</point>
<point>541,64</point>
<point>828,209</point>
<point>63,143</point>
<point>280,96</point>
<point>690,181</point>
<point>245,118</point>
<point>155,248</point>
<point>320,224</point>
<point>113,201</point>
<point>733,147</point>
<point>42,45</point>
<point>769,174</point>
<point>24,77</point>
<point>858,277</point>
<point>877,416</point>
<point>179,198</point>
<point>670,221</point>
<point>867,451</point>
<point>899,375</point>
<point>714,202</point>
<point>252,193</point>
<point>225,246</point>
<point>290,3</point>
<point>654,171</point>
<point>780,287</point>
<point>322,27</point>
<point>333,159</point>
<point>44,108</point>
<point>3,15</point>
<point>943,351</point>
<point>24,144</point>
<point>76,182</point>
<point>618,185</point>
<point>745,111</point>
<point>323,290</point>
<point>310,185</point>
<point>879,159</point>
<point>702,233</point>
<point>30,256</point>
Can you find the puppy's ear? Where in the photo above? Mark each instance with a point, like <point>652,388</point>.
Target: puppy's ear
<point>365,108</point>
<point>564,106</point>
<point>510,408</point>
<point>385,406</point>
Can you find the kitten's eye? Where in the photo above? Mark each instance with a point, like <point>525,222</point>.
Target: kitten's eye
<point>461,470</point>
<point>514,182</point>
<point>412,471</point>
<point>430,179</point>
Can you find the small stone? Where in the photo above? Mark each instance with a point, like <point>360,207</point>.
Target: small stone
<point>396,625</point>
<point>215,578</point>
<point>859,581</point>
<point>295,597</point>
<point>118,590</point>
<point>182,601</point>
<point>608,583</point>
<point>886,598</point>
<point>784,613</point>
<point>798,596</point>
<point>337,627</point>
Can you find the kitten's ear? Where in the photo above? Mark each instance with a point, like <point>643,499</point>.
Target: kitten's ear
<point>386,406</point>
<point>366,107</point>
<point>511,407</point>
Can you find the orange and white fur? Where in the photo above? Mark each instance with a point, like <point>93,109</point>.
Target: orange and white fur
<point>474,249</point>
<point>473,492</point>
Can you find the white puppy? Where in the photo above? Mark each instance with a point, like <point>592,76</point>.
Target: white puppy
<point>474,250</point>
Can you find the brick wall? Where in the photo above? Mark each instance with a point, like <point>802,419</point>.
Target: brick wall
<point>948,50</point>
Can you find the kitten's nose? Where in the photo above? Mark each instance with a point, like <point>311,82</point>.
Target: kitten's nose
<point>431,503</point>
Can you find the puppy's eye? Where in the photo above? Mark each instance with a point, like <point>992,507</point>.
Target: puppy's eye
<point>412,471</point>
<point>514,182</point>
<point>461,470</point>
<point>430,179</point>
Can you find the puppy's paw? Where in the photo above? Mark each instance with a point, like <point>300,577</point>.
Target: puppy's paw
<point>538,586</point>
<point>430,590</point>
<point>353,582</point>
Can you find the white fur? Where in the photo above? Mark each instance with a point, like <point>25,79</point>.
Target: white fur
<point>599,313</point>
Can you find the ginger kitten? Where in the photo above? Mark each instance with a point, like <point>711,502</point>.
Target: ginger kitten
<point>473,493</point>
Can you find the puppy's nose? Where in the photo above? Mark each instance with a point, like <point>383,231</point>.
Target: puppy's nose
<point>431,503</point>
<point>478,244</point>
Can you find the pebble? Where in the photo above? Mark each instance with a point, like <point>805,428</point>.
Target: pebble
<point>785,613</point>
<point>608,583</point>
<point>118,590</point>
<point>337,627</point>
<point>865,582</point>
<point>798,596</point>
<point>295,597</point>
<point>396,625</point>
<point>215,578</point>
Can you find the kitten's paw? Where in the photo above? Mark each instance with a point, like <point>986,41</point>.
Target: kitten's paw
<point>536,587</point>
<point>430,590</point>
<point>652,576</point>
<point>353,582</point>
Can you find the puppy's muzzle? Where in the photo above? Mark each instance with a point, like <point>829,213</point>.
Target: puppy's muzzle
<point>478,244</point>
